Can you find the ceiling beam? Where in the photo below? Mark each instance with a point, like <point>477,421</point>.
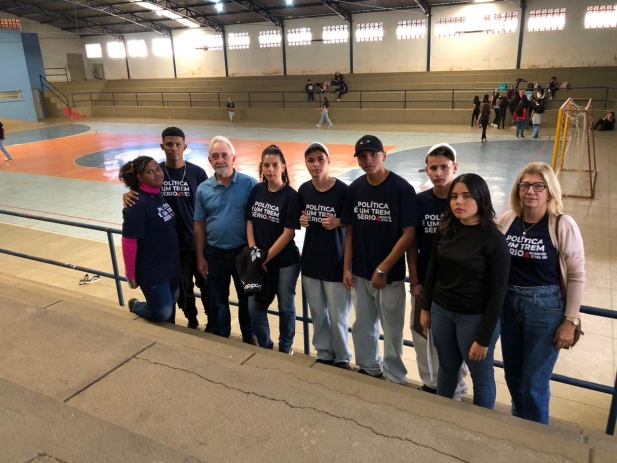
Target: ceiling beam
<point>122,14</point>
<point>191,14</point>
<point>79,23</point>
<point>338,9</point>
<point>260,10</point>
<point>424,6</point>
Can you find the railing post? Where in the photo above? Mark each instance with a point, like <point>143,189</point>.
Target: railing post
<point>218,95</point>
<point>360,100</point>
<point>612,414</point>
<point>605,98</point>
<point>163,99</point>
<point>405,102</point>
<point>136,100</point>
<point>190,100</point>
<point>114,264</point>
<point>249,94</point>
<point>452,99</point>
<point>113,98</point>
<point>305,323</point>
<point>283,93</point>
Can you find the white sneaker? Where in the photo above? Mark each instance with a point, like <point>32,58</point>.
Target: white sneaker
<point>318,125</point>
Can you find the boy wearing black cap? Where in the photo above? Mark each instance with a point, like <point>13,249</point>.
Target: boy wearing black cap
<point>380,211</point>
<point>441,165</point>
<point>322,258</point>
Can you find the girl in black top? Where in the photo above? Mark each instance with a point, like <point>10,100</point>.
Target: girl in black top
<point>485,114</point>
<point>150,243</point>
<point>465,289</point>
<point>475,112</point>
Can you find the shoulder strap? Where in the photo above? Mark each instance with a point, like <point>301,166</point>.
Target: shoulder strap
<point>561,279</point>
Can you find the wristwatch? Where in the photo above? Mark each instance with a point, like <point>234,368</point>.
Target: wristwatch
<point>575,321</point>
<point>381,273</point>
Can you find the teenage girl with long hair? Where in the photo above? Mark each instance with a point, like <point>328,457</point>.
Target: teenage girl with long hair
<point>150,243</point>
<point>272,216</point>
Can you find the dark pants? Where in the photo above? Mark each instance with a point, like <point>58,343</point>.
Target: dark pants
<point>311,97</point>
<point>484,123</point>
<point>496,120</point>
<point>474,118</point>
<point>502,119</point>
<point>340,93</point>
<point>221,270</point>
<point>186,301</point>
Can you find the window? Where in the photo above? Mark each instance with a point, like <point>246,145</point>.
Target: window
<point>137,48</point>
<point>214,42</point>
<point>10,24</point>
<point>501,23</point>
<point>10,95</point>
<point>93,50</point>
<point>369,32</point>
<point>116,50</point>
<point>449,27</point>
<point>553,19</point>
<point>269,39</point>
<point>335,34</point>
<point>161,47</point>
<point>238,40</point>
<point>411,29</point>
<point>599,17</point>
<point>299,36</point>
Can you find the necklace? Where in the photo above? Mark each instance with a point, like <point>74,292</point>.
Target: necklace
<point>169,176</point>
<point>525,230</point>
<point>278,189</point>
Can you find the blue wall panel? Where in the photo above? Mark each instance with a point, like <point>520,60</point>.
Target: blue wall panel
<point>14,76</point>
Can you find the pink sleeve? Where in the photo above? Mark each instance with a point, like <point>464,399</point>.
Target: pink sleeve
<point>129,252</point>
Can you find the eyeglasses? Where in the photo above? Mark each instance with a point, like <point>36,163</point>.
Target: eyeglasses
<point>537,187</point>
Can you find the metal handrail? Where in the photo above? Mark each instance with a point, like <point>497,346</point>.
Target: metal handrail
<point>56,92</point>
<point>62,74</point>
<point>356,98</point>
<point>304,318</point>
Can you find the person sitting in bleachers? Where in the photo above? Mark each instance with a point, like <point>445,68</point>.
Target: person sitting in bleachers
<point>606,123</point>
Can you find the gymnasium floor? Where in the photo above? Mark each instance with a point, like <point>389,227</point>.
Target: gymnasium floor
<point>69,171</point>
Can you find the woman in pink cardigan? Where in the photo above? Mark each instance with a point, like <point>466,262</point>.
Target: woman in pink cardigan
<point>545,288</point>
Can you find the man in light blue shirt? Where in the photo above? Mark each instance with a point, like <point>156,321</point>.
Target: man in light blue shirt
<point>220,235</point>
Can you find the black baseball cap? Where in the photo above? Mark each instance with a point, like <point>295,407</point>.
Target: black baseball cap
<point>370,143</point>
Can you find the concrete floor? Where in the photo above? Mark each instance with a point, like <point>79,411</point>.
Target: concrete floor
<point>69,171</point>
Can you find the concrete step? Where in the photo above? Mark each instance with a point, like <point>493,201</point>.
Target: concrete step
<point>225,379</point>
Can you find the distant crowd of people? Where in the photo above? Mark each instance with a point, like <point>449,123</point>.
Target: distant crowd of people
<point>471,278</point>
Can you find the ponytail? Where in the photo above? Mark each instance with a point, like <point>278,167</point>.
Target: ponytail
<point>129,171</point>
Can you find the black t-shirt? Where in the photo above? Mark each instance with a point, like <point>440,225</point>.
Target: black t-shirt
<point>151,222</point>
<point>378,215</point>
<point>476,107</point>
<point>535,261</point>
<point>271,213</point>
<point>608,125</point>
<point>468,274</point>
<point>430,209</point>
<point>324,250</point>
<point>231,106</point>
<point>179,190</point>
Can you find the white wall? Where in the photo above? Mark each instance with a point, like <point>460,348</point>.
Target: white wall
<point>254,60</point>
<point>115,68</point>
<point>55,43</point>
<point>191,62</point>
<point>573,46</point>
<point>150,67</point>
<point>390,55</point>
<point>317,59</point>
<point>476,51</point>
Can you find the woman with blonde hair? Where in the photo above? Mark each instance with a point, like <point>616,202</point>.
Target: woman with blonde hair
<point>545,288</point>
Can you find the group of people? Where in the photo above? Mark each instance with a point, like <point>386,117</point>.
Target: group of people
<point>526,112</point>
<point>471,278</point>
<point>338,81</point>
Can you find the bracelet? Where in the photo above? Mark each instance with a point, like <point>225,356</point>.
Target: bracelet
<point>414,285</point>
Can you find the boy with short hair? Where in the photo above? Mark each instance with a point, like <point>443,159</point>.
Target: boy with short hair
<point>231,109</point>
<point>322,258</point>
<point>441,165</point>
<point>380,211</point>
<point>309,90</point>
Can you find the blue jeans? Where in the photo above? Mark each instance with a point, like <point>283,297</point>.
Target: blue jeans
<point>285,294</point>
<point>520,128</point>
<point>530,319</point>
<point>221,270</point>
<point>325,114</point>
<point>160,305</point>
<point>454,333</point>
<point>536,129</point>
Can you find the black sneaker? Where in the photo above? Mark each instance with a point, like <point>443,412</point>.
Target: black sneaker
<point>325,362</point>
<point>343,365</point>
<point>428,389</point>
<point>193,324</point>
<point>252,340</point>
<point>289,351</point>
<point>362,371</point>
<point>132,302</point>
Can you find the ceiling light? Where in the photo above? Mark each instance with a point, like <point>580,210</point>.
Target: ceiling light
<point>289,2</point>
<point>150,6</point>
<point>219,7</point>
<point>169,14</point>
<point>188,23</point>
<point>483,1</point>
